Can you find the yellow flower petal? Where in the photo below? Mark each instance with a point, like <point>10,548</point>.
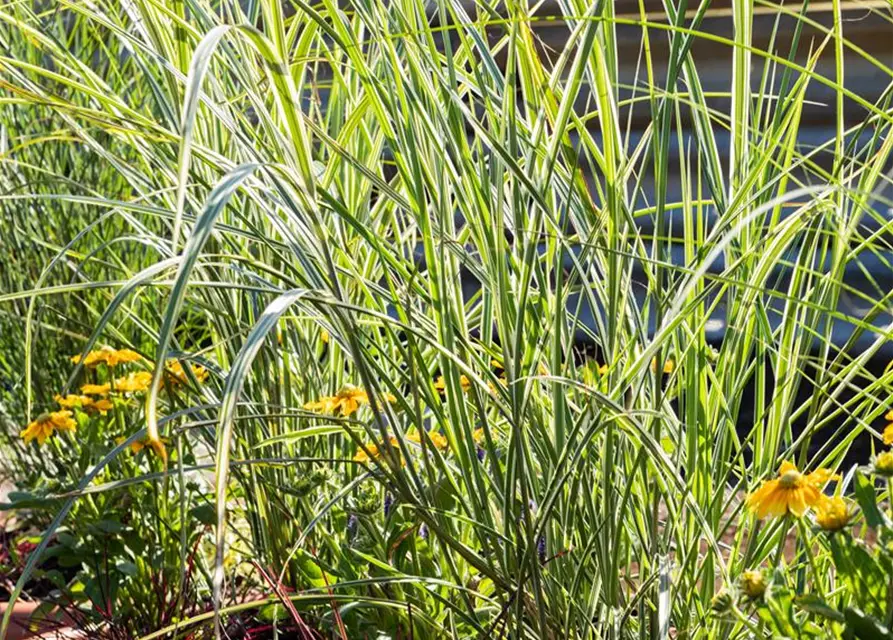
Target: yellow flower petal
<point>177,375</point>
<point>74,401</point>
<point>96,389</point>
<point>133,382</point>
<point>108,356</point>
<point>833,514</point>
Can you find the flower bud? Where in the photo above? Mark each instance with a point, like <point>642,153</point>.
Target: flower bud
<point>883,464</point>
<point>722,603</point>
<point>753,584</point>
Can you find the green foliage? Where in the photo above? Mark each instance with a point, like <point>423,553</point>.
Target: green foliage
<point>293,195</point>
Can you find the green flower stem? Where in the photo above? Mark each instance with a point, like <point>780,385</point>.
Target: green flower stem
<point>805,540</point>
<point>747,622</point>
<point>890,497</point>
<point>779,550</point>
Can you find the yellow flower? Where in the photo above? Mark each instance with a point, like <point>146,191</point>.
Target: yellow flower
<point>602,369</point>
<point>362,456</point>
<point>376,452</point>
<point>138,445</point>
<point>791,492</point>
<point>464,382</point>
<point>133,382</point>
<point>347,401</point>
<point>753,584</point>
<point>103,406</point>
<point>492,385</point>
<point>325,404</point>
<point>437,439</point>
<point>92,359</point>
<point>46,424</point>
<point>324,336</point>
<point>85,403</point>
<point>109,356</point>
<point>177,375</point>
<point>888,433</point>
<point>833,514</point>
<point>821,477</point>
<point>40,430</point>
<point>96,389</point>
<point>669,365</point>
<point>62,421</point>
<point>74,401</point>
<point>122,356</point>
<point>478,435</point>
<point>883,464</point>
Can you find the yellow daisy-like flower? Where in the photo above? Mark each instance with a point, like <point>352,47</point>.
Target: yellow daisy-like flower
<point>138,445</point>
<point>363,456</point>
<point>478,435</point>
<point>833,514</point>
<point>47,424</point>
<point>464,382</point>
<point>324,336</point>
<point>85,403</point>
<point>325,404</point>
<point>502,380</point>
<point>39,430</point>
<point>883,464</point>
<point>122,356</point>
<point>791,492</point>
<point>62,421</point>
<point>133,382</point>
<point>437,439</point>
<point>888,433</point>
<point>178,375</point>
<point>602,369</point>
<point>108,356</point>
<point>375,452</point>
<point>73,401</point>
<point>96,389</point>
<point>753,584</point>
<point>103,406</point>
<point>92,359</point>
<point>347,401</point>
<point>95,357</point>
<point>669,365</point>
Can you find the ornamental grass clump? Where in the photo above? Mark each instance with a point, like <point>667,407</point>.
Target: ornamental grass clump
<point>432,326</point>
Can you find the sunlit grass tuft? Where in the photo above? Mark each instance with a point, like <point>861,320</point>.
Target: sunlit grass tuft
<point>454,320</point>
